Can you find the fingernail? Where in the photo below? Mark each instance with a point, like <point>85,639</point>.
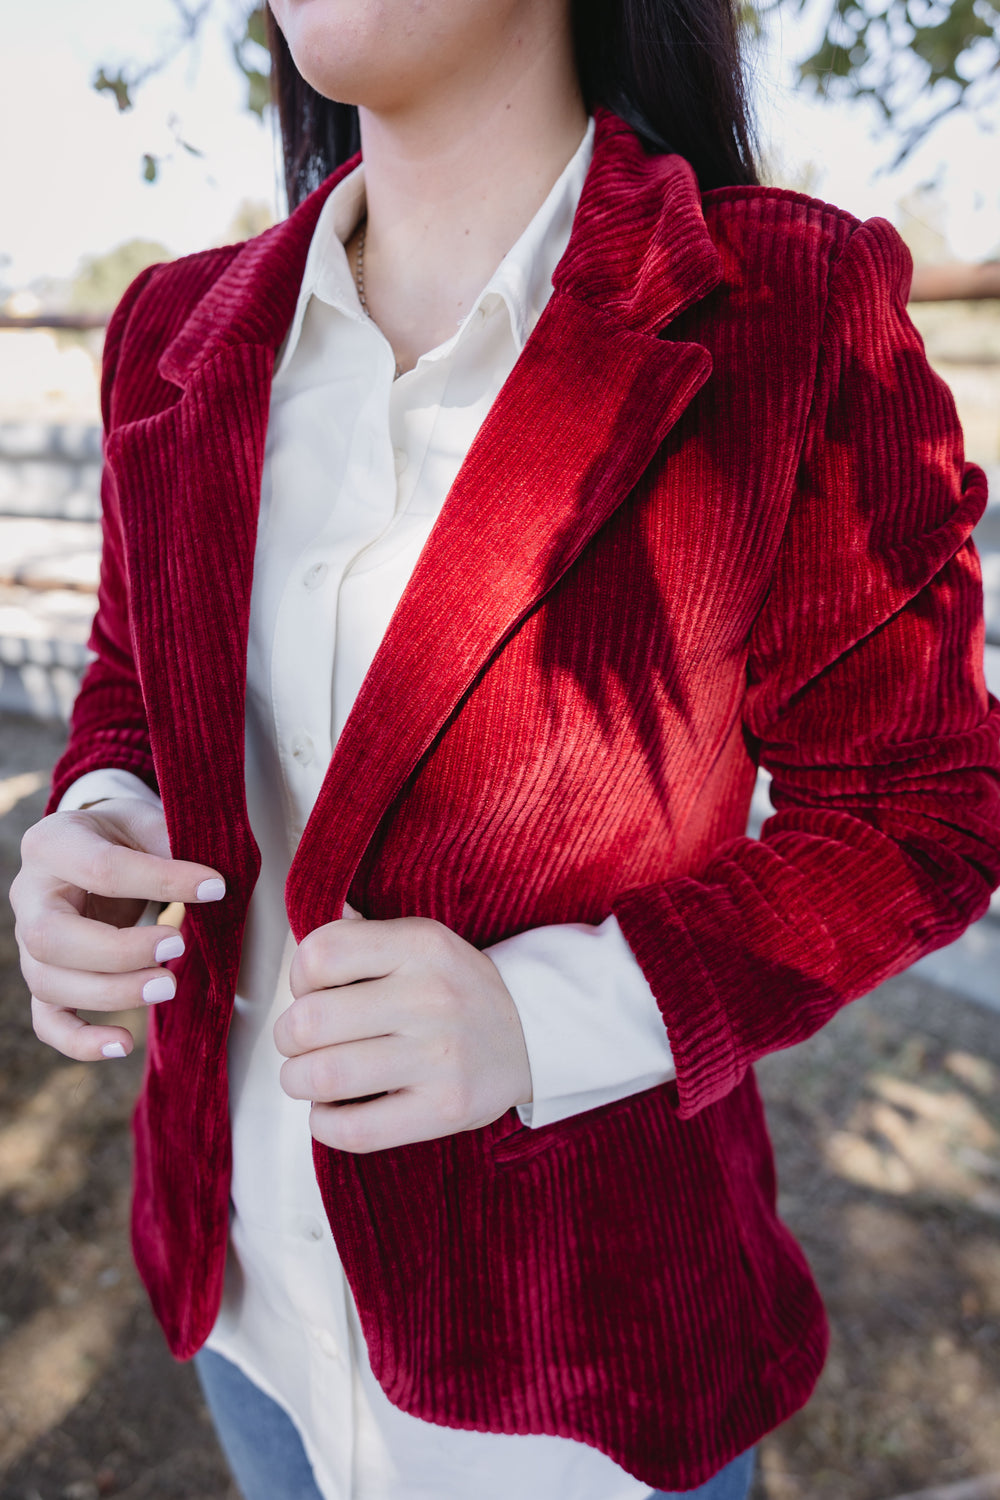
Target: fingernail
<point>113,1049</point>
<point>169,947</point>
<point>163,987</point>
<point>211,890</point>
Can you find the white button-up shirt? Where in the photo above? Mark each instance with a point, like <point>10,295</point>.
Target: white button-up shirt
<point>357,467</point>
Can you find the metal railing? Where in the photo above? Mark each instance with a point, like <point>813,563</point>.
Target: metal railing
<point>72,322</point>
<point>956,283</point>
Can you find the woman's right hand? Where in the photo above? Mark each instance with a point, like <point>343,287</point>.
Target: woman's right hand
<point>84,882</point>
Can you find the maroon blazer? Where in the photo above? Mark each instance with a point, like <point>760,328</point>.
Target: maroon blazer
<point>717,516</point>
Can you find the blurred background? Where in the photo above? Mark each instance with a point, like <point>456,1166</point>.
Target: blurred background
<point>132,134</point>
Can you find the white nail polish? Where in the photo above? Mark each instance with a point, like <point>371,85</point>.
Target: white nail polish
<point>169,947</point>
<point>211,890</point>
<point>163,987</point>
<point>113,1049</point>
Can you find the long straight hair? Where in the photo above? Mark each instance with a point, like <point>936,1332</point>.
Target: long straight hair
<point>671,68</point>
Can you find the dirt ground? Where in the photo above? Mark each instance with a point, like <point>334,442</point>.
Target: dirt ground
<point>887,1131</point>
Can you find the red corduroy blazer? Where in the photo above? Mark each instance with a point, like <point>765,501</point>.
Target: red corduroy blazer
<point>718,515</point>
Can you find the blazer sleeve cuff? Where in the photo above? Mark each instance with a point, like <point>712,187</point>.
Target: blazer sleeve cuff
<point>702,1040</point>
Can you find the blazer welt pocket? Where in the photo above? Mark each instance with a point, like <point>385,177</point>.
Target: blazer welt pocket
<point>520,1143</point>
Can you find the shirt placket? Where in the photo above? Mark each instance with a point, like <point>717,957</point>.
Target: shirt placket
<point>324,532</point>
<point>342,525</point>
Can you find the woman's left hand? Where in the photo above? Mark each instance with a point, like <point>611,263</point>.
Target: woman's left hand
<point>406,1010</point>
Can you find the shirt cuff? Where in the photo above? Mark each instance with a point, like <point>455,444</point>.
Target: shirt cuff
<point>591,1024</point>
<point>98,786</point>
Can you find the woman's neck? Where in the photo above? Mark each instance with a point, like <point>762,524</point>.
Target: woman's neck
<point>451,186</point>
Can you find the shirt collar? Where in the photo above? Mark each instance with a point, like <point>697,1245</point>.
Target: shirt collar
<point>521,282</point>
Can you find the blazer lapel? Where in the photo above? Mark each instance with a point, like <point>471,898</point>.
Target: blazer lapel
<point>592,395</point>
<point>189,486</point>
<point>187,482</point>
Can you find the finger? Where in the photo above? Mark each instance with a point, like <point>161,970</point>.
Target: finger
<point>57,934</point>
<point>77,989</point>
<point>325,1018</point>
<point>350,1071</point>
<point>65,1031</point>
<point>77,853</point>
<point>335,954</point>
<point>397,1119</point>
<point>344,952</point>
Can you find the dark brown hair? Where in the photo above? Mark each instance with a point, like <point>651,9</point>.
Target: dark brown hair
<point>671,68</point>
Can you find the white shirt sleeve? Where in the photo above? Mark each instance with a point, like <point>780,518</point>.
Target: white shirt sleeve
<point>98,786</point>
<point>592,1027</point>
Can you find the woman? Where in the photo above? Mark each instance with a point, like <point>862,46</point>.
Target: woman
<point>470,537</point>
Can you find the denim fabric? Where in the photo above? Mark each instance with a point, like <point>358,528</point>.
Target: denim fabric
<point>268,1460</point>
<point>731,1483</point>
<point>260,1441</point>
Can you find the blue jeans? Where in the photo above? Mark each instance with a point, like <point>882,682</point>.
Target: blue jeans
<point>269,1462</point>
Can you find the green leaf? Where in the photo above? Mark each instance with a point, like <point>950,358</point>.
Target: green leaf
<point>258,92</point>
<point>116,86</point>
<point>258,95</point>
<point>150,165</point>
<point>257,27</point>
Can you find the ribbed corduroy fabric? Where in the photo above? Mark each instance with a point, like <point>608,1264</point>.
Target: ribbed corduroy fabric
<point>718,514</point>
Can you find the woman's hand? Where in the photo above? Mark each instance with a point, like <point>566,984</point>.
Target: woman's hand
<point>406,1010</point>
<point>85,880</point>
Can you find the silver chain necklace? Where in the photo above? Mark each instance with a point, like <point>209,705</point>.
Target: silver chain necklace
<point>359,278</point>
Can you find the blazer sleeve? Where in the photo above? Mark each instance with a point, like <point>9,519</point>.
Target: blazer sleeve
<point>866,702</point>
<point>108,725</point>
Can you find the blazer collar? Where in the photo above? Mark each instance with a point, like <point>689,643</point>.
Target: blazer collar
<point>666,262</point>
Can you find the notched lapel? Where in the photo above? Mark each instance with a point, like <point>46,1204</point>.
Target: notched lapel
<point>568,437</point>
<point>592,395</point>
<point>594,392</point>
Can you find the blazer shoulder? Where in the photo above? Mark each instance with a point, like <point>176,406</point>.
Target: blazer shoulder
<point>152,310</point>
<point>812,252</point>
<point>778,235</point>
<point>773,215</point>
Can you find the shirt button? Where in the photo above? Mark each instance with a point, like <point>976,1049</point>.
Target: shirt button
<point>399,459</point>
<point>326,1343</point>
<point>313,577</point>
<point>302,749</point>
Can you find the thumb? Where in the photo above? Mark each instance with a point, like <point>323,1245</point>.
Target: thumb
<point>140,824</point>
<point>145,866</point>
